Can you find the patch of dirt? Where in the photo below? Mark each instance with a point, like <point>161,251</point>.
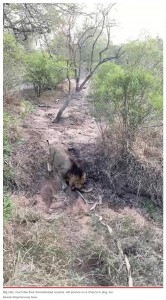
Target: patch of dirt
<point>80,207</point>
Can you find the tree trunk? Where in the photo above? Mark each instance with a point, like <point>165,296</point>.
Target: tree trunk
<point>85,81</point>
<point>77,84</point>
<point>68,77</point>
<point>78,89</point>
<point>60,112</point>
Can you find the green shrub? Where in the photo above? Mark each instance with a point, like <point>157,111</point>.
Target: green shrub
<point>125,94</point>
<point>10,134</point>
<point>13,62</point>
<point>10,137</point>
<point>27,108</point>
<point>44,72</point>
<point>6,206</point>
<point>8,173</point>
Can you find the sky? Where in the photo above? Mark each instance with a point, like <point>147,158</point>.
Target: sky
<point>135,17</point>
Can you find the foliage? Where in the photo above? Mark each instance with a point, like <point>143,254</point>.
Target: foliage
<point>26,108</point>
<point>9,122</point>
<point>6,206</point>
<point>7,169</point>
<point>147,53</point>
<point>10,135</point>
<point>126,94</point>
<point>85,45</point>
<point>26,19</point>
<point>43,71</point>
<point>13,62</point>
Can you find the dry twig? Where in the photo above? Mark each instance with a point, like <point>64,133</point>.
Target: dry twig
<point>86,201</point>
<point>130,280</point>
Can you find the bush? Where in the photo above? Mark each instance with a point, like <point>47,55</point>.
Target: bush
<point>10,136</point>
<point>6,206</point>
<point>7,170</point>
<point>13,62</point>
<point>44,72</point>
<point>126,97</point>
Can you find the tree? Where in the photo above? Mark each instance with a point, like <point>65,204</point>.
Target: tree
<point>147,53</point>
<point>95,27</point>
<point>32,23</point>
<point>13,62</point>
<point>125,96</point>
<point>44,72</point>
<point>82,37</point>
<point>24,19</point>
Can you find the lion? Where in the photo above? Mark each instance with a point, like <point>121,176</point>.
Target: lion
<point>70,173</point>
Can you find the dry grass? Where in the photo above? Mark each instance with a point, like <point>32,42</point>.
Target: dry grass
<point>56,251</point>
<point>146,179</point>
<point>29,160</point>
<point>142,169</point>
<point>15,109</point>
<point>145,167</point>
<point>149,146</point>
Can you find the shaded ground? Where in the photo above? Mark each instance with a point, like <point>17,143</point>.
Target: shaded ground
<point>89,255</point>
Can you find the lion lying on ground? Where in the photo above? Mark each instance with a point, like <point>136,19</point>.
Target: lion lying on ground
<point>67,168</point>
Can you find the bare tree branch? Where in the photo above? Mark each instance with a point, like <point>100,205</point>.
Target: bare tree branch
<point>108,42</point>
<point>31,20</point>
<point>104,60</point>
<point>95,41</point>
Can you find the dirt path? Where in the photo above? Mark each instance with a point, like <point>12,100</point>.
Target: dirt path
<point>77,128</point>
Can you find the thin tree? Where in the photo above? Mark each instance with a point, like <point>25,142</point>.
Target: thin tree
<point>95,26</point>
